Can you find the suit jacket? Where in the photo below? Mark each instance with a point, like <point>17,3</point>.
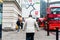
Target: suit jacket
<point>30,25</point>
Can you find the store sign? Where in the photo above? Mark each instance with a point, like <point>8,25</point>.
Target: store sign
<point>30,0</point>
<point>30,7</point>
<point>36,12</point>
<point>37,2</point>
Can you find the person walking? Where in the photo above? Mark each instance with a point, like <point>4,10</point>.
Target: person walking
<point>19,22</point>
<point>29,26</point>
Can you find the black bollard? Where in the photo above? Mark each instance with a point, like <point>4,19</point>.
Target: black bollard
<point>47,30</point>
<point>57,33</point>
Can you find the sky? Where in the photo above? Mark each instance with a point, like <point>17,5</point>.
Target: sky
<point>52,0</point>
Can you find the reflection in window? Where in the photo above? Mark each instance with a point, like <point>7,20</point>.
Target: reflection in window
<point>54,18</point>
<point>55,10</point>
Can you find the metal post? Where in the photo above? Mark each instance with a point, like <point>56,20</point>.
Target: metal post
<point>0,31</point>
<point>47,3</point>
<point>57,33</point>
<point>47,19</point>
<point>47,29</point>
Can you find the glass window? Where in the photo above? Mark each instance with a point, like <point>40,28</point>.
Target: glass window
<point>54,18</point>
<point>55,10</point>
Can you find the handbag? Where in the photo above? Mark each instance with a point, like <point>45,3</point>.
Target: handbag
<point>16,27</point>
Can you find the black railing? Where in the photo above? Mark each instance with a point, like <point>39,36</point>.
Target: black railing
<point>57,32</point>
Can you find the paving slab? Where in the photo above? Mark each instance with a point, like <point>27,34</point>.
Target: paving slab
<point>14,35</point>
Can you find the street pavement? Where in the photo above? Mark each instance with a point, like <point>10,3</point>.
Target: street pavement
<point>39,35</point>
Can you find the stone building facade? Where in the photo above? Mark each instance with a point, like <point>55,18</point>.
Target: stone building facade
<point>11,9</point>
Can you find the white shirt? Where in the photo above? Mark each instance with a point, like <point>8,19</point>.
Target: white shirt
<point>30,25</point>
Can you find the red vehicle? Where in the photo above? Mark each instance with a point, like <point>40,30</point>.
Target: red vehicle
<point>53,17</point>
<point>41,22</point>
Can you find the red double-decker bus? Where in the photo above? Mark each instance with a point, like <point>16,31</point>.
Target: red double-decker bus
<point>53,17</point>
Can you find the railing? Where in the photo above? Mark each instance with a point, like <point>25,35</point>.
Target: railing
<point>57,32</point>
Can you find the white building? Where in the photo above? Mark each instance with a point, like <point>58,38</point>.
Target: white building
<point>11,9</point>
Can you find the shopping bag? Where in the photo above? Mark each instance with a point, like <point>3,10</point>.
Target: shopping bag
<point>16,27</point>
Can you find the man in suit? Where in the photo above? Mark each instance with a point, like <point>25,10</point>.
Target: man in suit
<point>30,26</point>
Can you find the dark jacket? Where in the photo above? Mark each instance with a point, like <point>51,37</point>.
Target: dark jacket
<point>18,23</point>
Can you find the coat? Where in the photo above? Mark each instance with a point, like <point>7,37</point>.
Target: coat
<point>30,25</point>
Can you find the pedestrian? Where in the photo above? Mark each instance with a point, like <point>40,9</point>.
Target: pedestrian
<point>23,19</point>
<point>29,26</point>
<point>18,25</point>
<point>19,22</point>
